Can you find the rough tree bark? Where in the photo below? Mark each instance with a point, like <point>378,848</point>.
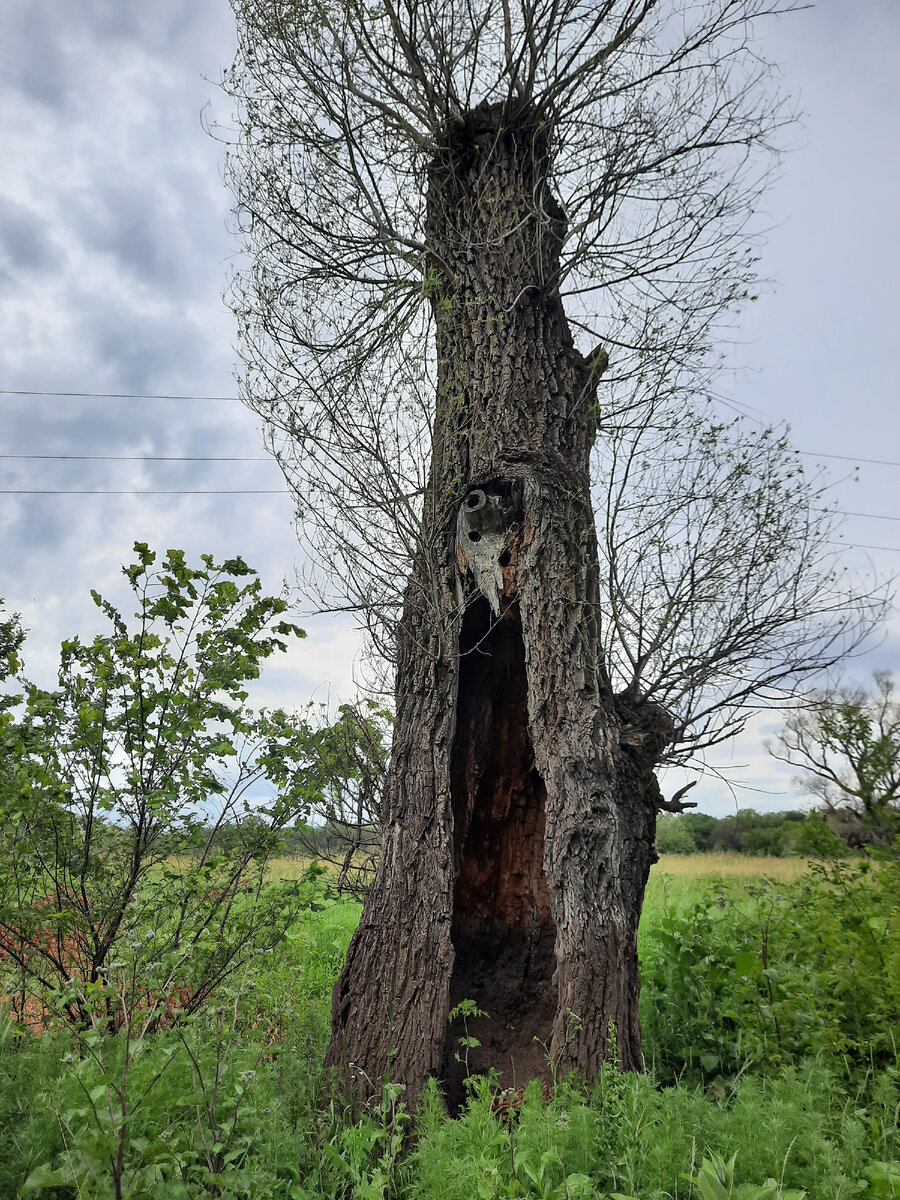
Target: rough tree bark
<point>520,806</point>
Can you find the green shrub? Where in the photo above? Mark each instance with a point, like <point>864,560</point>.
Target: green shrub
<point>770,975</point>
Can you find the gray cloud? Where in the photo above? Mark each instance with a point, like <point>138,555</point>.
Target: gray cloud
<point>26,245</point>
<point>139,226</point>
<point>144,348</point>
<point>35,59</point>
<point>115,254</point>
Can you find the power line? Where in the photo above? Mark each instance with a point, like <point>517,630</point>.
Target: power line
<point>243,458</point>
<point>139,457</point>
<point>109,395</point>
<point>222,491</point>
<point>878,462</point>
<point>872,516</point>
<point>881,462</point>
<point>144,492</point>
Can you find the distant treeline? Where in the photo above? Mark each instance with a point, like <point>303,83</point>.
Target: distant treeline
<point>747,832</point>
<point>330,838</point>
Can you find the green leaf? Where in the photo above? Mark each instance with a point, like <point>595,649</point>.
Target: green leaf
<point>46,1176</point>
<point>577,1183</point>
<point>747,962</point>
<point>883,1179</point>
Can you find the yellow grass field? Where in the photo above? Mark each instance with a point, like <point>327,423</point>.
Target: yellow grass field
<point>681,866</point>
<point>288,867</point>
<point>729,866</point>
<point>680,880</point>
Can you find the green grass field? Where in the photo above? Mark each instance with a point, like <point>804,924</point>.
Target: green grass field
<point>769,1006</point>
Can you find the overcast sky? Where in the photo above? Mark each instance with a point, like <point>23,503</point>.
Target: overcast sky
<point>115,253</point>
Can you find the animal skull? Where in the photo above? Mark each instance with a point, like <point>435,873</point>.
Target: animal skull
<point>482,528</point>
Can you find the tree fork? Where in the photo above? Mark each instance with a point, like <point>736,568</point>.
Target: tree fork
<point>520,803</point>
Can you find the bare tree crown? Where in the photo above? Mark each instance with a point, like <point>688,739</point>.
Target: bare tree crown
<point>654,123</point>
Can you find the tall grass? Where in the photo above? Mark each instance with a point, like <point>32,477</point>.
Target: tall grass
<point>770,1060</point>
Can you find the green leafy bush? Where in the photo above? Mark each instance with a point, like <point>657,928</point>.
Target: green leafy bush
<point>115,892</point>
<point>772,974</point>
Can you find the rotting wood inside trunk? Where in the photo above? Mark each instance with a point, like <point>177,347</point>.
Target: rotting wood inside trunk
<point>502,930</point>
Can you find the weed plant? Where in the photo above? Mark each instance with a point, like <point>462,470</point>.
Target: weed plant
<point>627,1137</point>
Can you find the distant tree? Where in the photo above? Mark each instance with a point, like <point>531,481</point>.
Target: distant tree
<point>726,836</point>
<point>701,827</point>
<point>673,836</point>
<point>747,832</point>
<point>846,743</point>
<point>765,834</point>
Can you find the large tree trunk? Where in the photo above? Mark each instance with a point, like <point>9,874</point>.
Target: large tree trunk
<point>520,805</point>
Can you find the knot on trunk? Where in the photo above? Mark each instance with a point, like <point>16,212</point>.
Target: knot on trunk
<point>646,727</point>
<point>496,129</point>
<point>488,529</point>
